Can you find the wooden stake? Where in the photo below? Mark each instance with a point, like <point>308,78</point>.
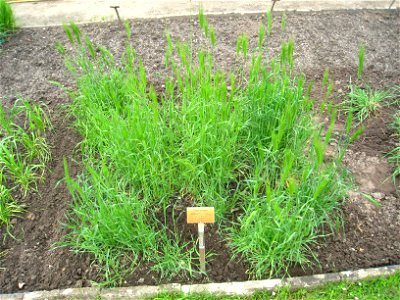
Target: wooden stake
<point>116,10</point>
<point>202,248</point>
<point>273,4</point>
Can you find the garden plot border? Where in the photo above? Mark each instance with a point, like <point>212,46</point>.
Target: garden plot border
<point>243,288</point>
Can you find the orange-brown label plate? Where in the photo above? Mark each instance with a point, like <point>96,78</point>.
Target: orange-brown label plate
<point>200,215</point>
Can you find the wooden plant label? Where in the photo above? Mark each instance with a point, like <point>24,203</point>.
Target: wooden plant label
<point>200,215</point>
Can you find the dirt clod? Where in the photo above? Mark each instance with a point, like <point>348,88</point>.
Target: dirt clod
<point>378,195</point>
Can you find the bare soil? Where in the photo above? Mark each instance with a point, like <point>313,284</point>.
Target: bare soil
<point>323,39</point>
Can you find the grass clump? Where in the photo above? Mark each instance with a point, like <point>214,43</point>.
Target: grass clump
<point>237,141</point>
<point>7,20</point>
<point>8,207</point>
<point>362,102</point>
<point>394,155</point>
<point>23,153</point>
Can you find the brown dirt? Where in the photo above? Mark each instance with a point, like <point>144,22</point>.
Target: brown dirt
<point>370,235</point>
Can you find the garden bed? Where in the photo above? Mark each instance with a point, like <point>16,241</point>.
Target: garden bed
<point>325,39</point>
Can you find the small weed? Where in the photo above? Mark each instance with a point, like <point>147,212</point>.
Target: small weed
<point>371,199</point>
<point>269,22</point>
<point>394,155</point>
<point>394,158</point>
<point>396,124</point>
<point>283,22</point>
<point>361,57</point>
<point>8,207</point>
<point>325,78</point>
<point>261,35</point>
